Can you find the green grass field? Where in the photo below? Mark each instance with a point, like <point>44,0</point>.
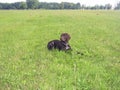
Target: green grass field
<point>26,64</point>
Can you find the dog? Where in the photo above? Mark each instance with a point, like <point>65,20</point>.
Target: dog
<point>62,44</point>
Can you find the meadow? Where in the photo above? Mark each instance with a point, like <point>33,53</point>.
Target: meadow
<point>26,64</point>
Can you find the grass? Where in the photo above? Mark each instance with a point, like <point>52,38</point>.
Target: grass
<point>26,64</point>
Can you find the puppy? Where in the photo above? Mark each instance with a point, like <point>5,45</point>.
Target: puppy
<point>61,44</point>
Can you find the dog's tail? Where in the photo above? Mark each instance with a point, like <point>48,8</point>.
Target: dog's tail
<point>50,45</point>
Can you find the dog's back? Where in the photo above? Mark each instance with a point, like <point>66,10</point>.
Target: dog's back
<point>53,44</point>
<point>57,44</point>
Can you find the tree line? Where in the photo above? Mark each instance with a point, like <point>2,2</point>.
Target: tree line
<point>35,4</point>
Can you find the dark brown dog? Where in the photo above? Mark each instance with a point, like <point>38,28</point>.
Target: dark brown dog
<point>61,44</point>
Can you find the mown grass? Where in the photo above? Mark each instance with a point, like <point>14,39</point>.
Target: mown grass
<point>26,64</point>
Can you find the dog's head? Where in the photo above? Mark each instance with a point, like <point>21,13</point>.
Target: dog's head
<point>65,37</point>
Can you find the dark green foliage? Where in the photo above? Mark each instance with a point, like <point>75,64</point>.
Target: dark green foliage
<point>16,5</point>
<point>20,5</point>
<point>32,4</point>
<point>97,7</point>
<point>35,4</point>
<point>23,5</point>
<point>44,5</point>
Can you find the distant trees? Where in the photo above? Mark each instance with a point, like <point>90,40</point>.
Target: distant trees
<point>117,6</point>
<point>66,5</point>
<point>35,4</point>
<point>44,5</point>
<point>97,7</point>
<point>62,5</point>
<point>32,4</point>
<point>108,6</point>
<point>23,5</point>
<point>17,5</point>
